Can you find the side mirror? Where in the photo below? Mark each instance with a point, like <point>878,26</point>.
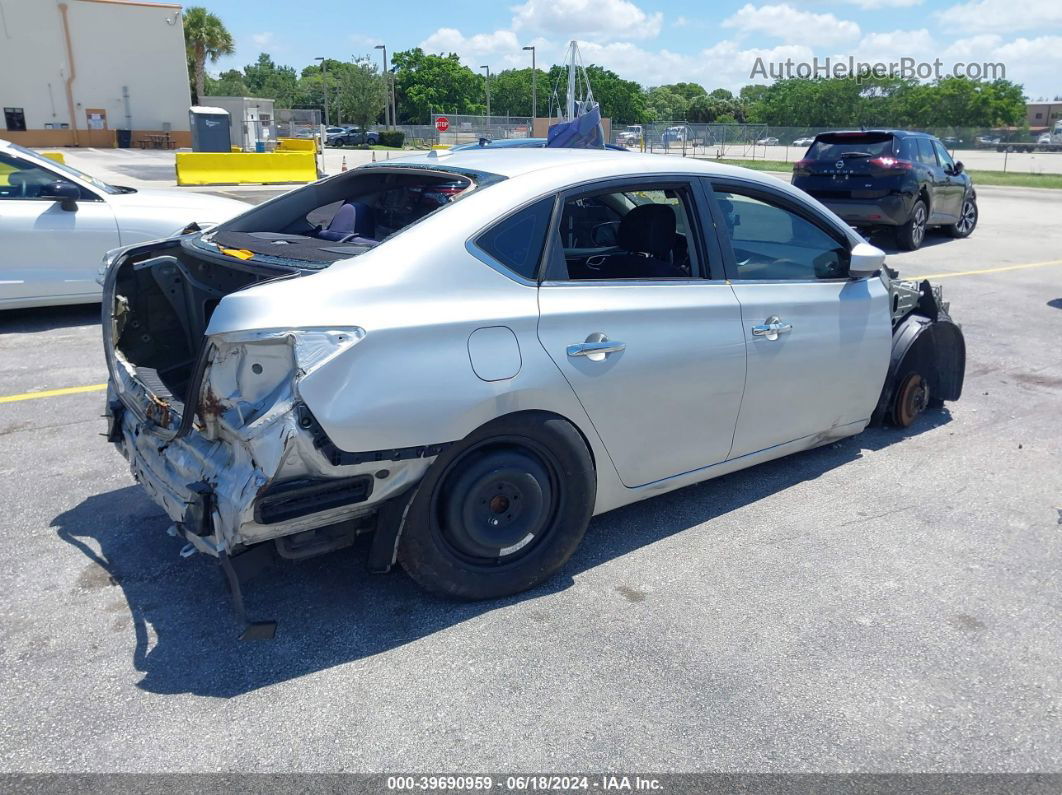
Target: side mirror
<point>957,168</point>
<point>866,261</point>
<point>62,191</point>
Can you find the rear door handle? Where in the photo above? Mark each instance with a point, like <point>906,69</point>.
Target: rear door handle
<point>772,328</point>
<point>590,348</point>
<point>596,347</point>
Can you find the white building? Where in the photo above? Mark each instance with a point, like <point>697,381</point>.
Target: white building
<point>74,71</point>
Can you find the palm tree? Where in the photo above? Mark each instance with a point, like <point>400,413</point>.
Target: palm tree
<point>204,36</point>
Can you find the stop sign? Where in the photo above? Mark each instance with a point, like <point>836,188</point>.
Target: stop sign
<point>442,124</point>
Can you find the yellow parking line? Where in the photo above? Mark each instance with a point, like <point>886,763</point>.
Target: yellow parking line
<point>988,270</point>
<point>70,390</point>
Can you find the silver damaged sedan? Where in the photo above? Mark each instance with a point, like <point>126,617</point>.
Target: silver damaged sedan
<point>469,355</point>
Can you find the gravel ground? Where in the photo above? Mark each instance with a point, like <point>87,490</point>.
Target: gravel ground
<point>887,603</point>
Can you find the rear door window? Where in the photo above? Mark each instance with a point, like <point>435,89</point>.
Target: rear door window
<point>925,152</point>
<point>516,242</point>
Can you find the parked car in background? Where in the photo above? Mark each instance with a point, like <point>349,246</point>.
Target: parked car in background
<point>516,143</point>
<point>471,380</point>
<point>769,141</point>
<point>892,179</point>
<point>57,223</point>
<point>807,140</point>
<point>353,136</point>
<point>630,136</point>
<point>987,141</point>
<point>1016,143</point>
<point>951,141</point>
<point>677,134</point>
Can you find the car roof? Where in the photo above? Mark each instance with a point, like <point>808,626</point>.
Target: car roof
<point>516,161</point>
<point>879,131</point>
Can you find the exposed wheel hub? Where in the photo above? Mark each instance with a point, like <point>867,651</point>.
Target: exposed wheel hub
<point>912,399</point>
<point>498,505</point>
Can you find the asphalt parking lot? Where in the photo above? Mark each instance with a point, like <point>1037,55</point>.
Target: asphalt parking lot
<point>891,602</point>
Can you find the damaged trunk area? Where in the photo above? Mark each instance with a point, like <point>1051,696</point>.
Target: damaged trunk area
<point>163,301</point>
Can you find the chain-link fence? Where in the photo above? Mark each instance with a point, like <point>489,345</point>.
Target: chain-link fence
<point>465,129</point>
<point>1024,151</point>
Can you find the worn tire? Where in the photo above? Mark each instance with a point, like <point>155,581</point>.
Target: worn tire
<point>910,236</point>
<point>968,216</point>
<point>468,536</point>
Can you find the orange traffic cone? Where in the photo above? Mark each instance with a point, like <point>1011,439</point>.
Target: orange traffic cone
<point>343,167</point>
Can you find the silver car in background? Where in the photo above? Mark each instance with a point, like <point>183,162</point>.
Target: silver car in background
<point>470,355</point>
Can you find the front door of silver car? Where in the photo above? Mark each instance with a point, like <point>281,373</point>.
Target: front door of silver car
<point>651,346</point>
<point>818,341</point>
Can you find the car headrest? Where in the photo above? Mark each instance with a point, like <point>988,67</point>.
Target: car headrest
<point>648,229</point>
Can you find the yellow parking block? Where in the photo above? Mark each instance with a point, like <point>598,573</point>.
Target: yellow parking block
<point>296,145</point>
<point>238,168</point>
<point>56,156</point>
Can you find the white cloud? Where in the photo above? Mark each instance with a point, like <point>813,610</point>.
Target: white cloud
<point>1002,16</point>
<point>263,40</point>
<point>874,4</point>
<point>893,45</point>
<point>591,19</point>
<point>792,25</point>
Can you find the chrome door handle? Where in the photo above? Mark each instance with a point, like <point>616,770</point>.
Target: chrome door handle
<point>772,328</point>
<point>601,348</point>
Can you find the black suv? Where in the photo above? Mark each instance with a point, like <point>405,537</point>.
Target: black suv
<point>889,178</point>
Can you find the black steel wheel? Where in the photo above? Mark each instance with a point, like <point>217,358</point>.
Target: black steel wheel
<point>501,511</point>
<point>967,219</point>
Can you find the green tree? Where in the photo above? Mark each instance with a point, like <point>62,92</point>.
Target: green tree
<point>205,37</point>
<point>362,93</point>
<point>622,101</point>
<point>265,79</point>
<point>434,83</point>
<point>664,104</point>
<point>229,84</point>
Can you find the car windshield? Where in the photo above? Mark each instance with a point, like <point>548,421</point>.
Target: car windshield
<point>71,171</point>
<point>836,147</point>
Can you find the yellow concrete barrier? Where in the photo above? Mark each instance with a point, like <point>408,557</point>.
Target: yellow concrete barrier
<point>56,156</point>
<point>296,145</point>
<point>236,168</point>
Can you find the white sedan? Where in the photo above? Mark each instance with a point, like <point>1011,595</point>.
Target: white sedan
<point>57,222</point>
<point>471,354</point>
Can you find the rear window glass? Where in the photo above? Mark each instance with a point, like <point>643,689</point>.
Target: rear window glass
<point>836,147</point>
<point>925,152</point>
<point>517,241</point>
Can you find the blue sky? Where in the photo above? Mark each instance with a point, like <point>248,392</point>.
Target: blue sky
<point>715,44</point>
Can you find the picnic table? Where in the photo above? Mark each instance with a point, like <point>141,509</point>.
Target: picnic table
<point>154,141</point>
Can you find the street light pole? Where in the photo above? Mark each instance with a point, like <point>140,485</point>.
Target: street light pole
<point>324,85</point>
<point>534,95</point>
<point>387,81</point>
<point>488,98</point>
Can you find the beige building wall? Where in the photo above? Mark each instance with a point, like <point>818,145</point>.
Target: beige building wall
<point>81,69</point>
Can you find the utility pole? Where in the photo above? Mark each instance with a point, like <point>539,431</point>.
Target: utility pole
<point>488,98</point>
<point>534,94</point>
<point>387,82</point>
<point>324,85</point>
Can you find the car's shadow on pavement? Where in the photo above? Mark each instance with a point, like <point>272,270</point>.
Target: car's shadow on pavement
<point>330,610</point>
<point>27,321</point>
